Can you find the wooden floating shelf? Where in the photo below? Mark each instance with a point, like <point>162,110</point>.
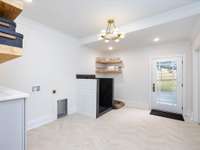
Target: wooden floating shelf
<point>109,62</point>
<point>10,9</point>
<point>108,71</point>
<point>106,65</point>
<point>7,53</point>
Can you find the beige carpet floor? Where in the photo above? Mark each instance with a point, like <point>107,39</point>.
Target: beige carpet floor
<point>125,129</point>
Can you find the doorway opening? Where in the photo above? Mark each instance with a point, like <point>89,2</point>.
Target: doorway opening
<point>167,84</point>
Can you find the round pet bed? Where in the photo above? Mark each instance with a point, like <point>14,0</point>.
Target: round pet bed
<point>118,104</point>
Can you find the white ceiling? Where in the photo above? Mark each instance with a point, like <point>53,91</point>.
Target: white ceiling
<point>183,29</point>
<point>81,18</point>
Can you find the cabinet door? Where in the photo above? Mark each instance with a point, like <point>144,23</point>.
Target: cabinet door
<point>12,125</point>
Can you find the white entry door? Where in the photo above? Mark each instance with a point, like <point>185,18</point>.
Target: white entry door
<point>167,84</point>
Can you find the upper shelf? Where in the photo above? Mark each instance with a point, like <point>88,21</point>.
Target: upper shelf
<point>109,62</point>
<point>102,60</point>
<point>7,53</point>
<point>10,9</point>
<point>105,65</point>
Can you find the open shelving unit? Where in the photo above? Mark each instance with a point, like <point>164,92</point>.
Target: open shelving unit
<point>111,61</point>
<point>10,9</point>
<point>8,53</point>
<point>108,65</point>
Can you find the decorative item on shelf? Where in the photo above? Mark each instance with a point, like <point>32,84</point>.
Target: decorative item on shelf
<point>11,42</point>
<point>11,38</point>
<point>108,65</point>
<point>7,24</point>
<point>111,33</point>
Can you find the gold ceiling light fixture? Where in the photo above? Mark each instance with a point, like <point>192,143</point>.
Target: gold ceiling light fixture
<point>111,33</point>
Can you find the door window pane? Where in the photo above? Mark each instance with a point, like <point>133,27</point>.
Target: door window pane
<point>166,82</point>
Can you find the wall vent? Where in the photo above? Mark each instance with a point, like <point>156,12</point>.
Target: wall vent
<point>62,108</point>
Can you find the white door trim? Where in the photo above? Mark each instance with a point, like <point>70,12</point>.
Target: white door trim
<point>196,85</point>
<point>183,76</point>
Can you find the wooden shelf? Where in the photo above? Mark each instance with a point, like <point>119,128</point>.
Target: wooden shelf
<point>108,71</point>
<point>7,53</point>
<point>105,65</point>
<point>109,62</point>
<point>10,9</point>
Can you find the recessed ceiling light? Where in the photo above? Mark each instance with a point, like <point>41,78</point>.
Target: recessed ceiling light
<point>156,39</point>
<point>110,48</point>
<point>28,1</point>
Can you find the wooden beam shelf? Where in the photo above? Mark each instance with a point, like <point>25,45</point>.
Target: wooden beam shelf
<point>108,65</point>
<point>108,71</point>
<point>10,9</point>
<point>7,53</point>
<point>109,62</point>
<point>102,60</point>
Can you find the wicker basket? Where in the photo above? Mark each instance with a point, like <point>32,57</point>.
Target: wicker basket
<point>118,104</point>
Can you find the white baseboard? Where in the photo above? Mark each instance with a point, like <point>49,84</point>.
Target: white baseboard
<point>40,122</point>
<point>87,115</point>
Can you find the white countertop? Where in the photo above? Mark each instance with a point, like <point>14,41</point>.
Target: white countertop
<point>10,94</point>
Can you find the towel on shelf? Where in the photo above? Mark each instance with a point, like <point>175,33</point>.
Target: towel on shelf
<point>7,24</point>
<point>11,38</point>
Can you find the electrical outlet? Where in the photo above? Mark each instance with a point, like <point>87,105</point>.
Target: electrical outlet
<point>35,88</point>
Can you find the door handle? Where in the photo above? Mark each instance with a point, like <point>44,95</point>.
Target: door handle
<point>154,87</point>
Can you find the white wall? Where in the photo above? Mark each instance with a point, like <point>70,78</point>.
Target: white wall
<point>133,85</point>
<point>51,60</point>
